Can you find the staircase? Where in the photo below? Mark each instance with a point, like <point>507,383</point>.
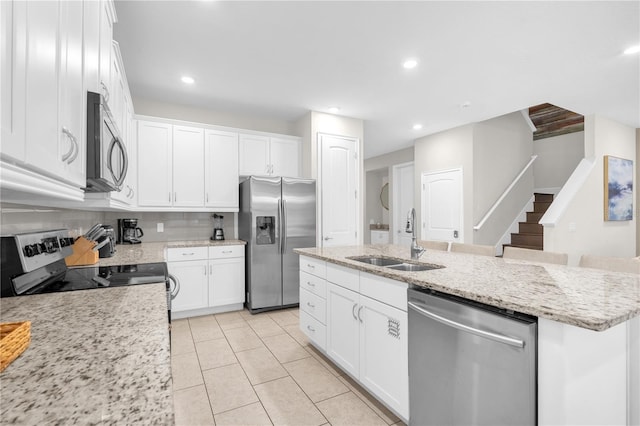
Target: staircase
<point>530,232</point>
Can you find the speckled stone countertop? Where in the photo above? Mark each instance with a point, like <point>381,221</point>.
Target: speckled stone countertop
<point>96,357</point>
<point>584,297</point>
<point>132,254</point>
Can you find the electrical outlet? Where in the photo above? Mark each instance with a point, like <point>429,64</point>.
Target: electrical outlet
<point>160,227</point>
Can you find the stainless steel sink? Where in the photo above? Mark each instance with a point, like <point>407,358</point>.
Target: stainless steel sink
<point>395,263</point>
<point>414,267</point>
<point>377,260</point>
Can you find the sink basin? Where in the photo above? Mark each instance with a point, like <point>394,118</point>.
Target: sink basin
<point>394,263</point>
<point>377,260</point>
<point>414,267</point>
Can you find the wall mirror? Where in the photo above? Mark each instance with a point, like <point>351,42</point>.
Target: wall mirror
<point>384,196</point>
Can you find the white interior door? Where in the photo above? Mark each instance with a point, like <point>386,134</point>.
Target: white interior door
<point>442,206</point>
<point>339,207</point>
<point>402,202</point>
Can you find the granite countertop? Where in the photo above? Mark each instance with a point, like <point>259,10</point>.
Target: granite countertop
<point>584,297</point>
<point>96,357</point>
<point>132,254</point>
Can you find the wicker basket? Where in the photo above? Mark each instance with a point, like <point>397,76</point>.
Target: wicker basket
<point>14,339</point>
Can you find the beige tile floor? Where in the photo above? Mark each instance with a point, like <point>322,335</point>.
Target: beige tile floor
<point>241,369</point>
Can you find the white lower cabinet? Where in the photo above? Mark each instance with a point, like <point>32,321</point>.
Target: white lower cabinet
<point>211,279</point>
<point>366,329</point>
<point>194,285</point>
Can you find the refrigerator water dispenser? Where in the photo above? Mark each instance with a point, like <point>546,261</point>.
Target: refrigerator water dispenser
<point>265,230</point>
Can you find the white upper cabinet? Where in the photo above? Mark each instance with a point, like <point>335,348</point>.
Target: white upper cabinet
<point>188,166</point>
<point>105,66</point>
<point>155,161</point>
<point>269,156</point>
<point>42,108</point>
<point>71,121</point>
<point>13,31</point>
<point>221,170</point>
<point>285,157</point>
<point>254,155</point>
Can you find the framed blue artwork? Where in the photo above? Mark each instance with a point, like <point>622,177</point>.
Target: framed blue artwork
<point>618,188</point>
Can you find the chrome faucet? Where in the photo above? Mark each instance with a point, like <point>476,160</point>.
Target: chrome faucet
<point>416,250</point>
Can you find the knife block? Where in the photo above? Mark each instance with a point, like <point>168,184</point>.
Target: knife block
<point>83,253</point>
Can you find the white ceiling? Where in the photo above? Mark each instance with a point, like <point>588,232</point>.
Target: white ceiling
<point>278,60</point>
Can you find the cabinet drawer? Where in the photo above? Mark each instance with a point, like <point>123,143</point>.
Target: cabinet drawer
<point>313,284</point>
<point>221,252</point>
<point>344,277</point>
<point>187,253</point>
<point>313,266</point>
<point>313,305</point>
<point>314,329</point>
<point>385,290</point>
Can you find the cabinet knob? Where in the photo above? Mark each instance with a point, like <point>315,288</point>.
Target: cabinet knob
<point>310,284</point>
<point>311,305</point>
<point>311,329</point>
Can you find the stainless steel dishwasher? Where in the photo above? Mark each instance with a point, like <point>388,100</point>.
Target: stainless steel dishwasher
<point>470,363</point>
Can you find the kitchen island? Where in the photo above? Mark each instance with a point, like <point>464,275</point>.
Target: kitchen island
<point>588,331</point>
<point>96,357</point>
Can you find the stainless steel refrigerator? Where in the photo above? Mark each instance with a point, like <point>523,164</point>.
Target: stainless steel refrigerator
<point>276,215</point>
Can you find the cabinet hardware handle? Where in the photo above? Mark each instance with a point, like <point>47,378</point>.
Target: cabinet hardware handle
<point>311,266</point>
<point>205,269</point>
<point>169,197</point>
<point>227,251</point>
<point>311,329</point>
<point>67,133</point>
<point>188,254</point>
<point>311,305</point>
<point>360,309</point>
<point>311,284</point>
<point>107,95</point>
<point>207,197</point>
<point>76,148</point>
<point>328,238</point>
<point>353,311</point>
<point>175,197</point>
<point>210,269</point>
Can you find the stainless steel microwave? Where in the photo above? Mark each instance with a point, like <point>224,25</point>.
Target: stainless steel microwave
<point>107,160</point>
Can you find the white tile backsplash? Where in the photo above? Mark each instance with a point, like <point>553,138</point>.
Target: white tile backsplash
<point>178,226</point>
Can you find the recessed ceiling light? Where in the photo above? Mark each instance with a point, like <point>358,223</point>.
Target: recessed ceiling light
<point>187,80</point>
<point>410,64</point>
<point>632,50</point>
<point>417,126</point>
<point>334,109</point>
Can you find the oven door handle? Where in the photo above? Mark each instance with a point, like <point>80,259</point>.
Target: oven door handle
<point>174,290</point>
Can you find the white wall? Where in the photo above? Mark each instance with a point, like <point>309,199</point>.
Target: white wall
<point>206,116</point>
<point>502,147</point>
<point>443,151</point>
<point>581,229</point>
<point>558,157</point>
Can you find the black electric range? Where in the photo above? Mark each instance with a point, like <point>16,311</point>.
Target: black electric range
<point>33,263</point>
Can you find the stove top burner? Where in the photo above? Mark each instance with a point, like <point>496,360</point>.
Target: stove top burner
<point>107,276</point>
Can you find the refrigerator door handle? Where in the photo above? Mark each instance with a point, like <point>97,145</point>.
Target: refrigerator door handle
<point>284,226</point>
<point>280,232</point>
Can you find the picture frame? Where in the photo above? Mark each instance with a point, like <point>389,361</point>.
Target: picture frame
<point>618,189</point>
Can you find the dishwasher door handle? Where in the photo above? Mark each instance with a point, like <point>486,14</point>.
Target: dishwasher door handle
<point>486,334</point>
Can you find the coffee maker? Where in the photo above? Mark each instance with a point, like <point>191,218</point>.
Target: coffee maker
<point>128,231</point>
<point>218,233</point>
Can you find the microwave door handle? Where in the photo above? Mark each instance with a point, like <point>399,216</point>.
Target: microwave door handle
<point>112,145</point>
<point>125,162</point>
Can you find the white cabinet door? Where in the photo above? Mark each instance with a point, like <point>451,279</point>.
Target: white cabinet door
<point>384,353</point>
<point>107,19</point>
<point>42,72</point>
<point>117,88</point>
<point>226,281</point>
<point>188,166</point>
<point>13,30</point>
<point>72,106</point>
<point>91,41</point>
<point>221,169</point>
<point>194,289</point>
<point>154,164</point>
<point>254,155</point>
<point>285,157</point>
<point>343,327</point>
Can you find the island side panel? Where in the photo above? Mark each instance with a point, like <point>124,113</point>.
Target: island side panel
<point>582,375</point>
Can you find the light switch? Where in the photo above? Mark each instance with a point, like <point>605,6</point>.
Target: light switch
<point>160,227</point>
